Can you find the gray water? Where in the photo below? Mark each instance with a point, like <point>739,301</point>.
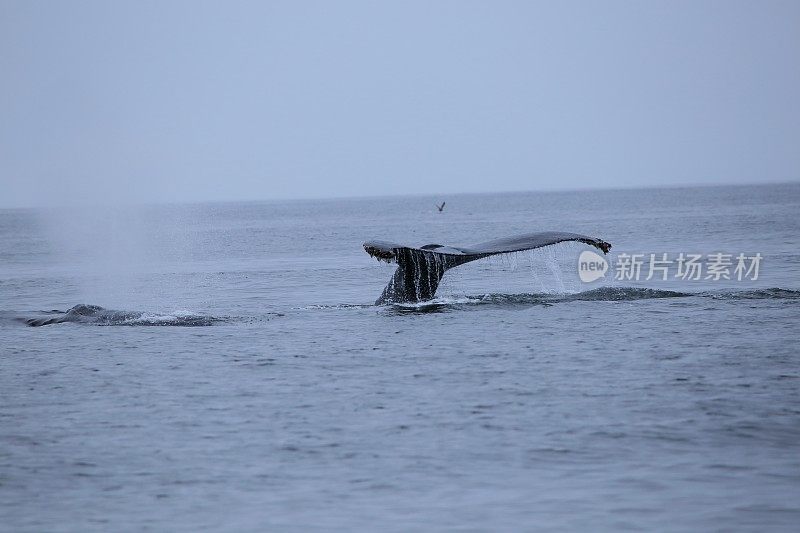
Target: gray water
<point>238,376</point>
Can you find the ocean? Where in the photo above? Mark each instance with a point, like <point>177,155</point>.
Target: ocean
<point>236,375</point>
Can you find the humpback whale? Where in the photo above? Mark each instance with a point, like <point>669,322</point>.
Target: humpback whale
<point>419,270</point>
<point>98,316</point>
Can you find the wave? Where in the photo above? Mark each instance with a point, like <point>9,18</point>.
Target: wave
<point>99,316</point>
<point>333,306</point>
<point>774,293</point>
<point>601,294</point>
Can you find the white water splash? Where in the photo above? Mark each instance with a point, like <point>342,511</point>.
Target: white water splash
<point>548,270</point>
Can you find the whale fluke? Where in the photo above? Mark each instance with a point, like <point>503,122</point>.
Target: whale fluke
<point>440,207</point>
<point>419,270</point>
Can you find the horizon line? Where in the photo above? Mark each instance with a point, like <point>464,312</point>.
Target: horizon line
<point>555,190</point>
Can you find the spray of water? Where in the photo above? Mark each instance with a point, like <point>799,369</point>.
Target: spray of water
<point>548,270</point>
<point>117,255</point>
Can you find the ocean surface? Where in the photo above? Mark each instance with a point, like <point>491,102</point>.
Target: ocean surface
<point>236,375</point>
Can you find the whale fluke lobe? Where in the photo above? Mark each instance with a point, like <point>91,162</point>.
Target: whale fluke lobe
<point>419,270</point>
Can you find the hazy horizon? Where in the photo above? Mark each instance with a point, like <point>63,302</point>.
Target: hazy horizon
<point>200,101</point>
<point>439,196</point>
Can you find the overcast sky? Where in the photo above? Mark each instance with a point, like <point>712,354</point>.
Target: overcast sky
<point>187,101</point>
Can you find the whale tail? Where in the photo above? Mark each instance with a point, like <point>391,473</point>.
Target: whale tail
<point>418,274</point>
<point>419,270</point>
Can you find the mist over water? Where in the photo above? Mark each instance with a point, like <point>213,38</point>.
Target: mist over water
<point>223,366</point>
<point>130,256</point>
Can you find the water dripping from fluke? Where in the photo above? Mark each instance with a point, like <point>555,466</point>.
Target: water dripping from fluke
<point>420,270</point>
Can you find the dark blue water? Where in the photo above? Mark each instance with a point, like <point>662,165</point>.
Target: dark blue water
<point>236,376</point>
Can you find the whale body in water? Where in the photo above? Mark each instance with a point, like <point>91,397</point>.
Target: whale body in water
<point>99,316</point>
<point>419,270</point>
